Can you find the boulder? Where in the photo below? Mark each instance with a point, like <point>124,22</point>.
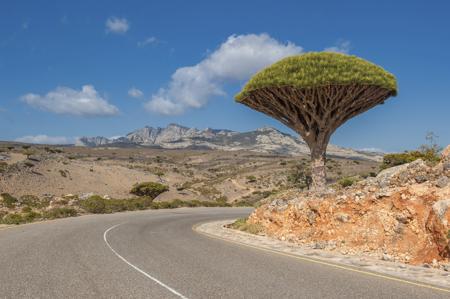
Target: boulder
<point>400,175</point>
<point>440,207</point>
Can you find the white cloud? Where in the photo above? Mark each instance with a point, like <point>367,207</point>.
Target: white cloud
<point>44,139</point>
<point>65,100</point>
<point>342,46</point>
<point>148,41</point>
<point>135,93</point>
<point>117,25</point>
<point>235,60</point>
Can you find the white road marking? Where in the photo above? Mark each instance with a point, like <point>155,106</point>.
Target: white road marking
<point>136,268</point>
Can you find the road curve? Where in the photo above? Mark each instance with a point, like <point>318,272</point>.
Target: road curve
<point>156,254</point>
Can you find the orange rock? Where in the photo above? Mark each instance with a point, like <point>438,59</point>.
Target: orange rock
<point>445,156</point>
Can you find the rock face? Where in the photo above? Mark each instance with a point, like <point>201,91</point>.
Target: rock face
<point>263,140</point>
<point>403,214</point>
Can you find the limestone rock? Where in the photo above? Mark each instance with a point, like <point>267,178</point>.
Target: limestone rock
<point>442,182</point>
<point>440,207</point>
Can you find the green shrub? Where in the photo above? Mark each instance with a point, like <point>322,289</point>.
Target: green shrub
<point>244,203</point>
<point>13,219</point>
<point>94,204</point>
<point>347,181</point>
<point>150,189</point>
<point>3,166</point>
<point>61,212</point>
<point>243,225</point>
<point>391,160</point>
<point>26,209</point>
<point>300,177</point>
<point>29,200</point>
<point>31,216</point>
<point>8,200</point>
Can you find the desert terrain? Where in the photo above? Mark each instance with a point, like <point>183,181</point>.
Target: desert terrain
<point>232,176</point>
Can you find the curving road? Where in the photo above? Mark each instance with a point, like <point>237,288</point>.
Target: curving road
<point>155,254</point>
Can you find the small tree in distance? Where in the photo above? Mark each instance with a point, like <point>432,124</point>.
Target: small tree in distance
<point>314,94</point>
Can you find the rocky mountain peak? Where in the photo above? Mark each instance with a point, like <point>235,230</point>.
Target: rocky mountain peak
<point>264,140</point>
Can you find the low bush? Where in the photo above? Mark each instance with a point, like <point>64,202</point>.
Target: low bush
<point>61,212</point>
<point>3,166</point>
<point>150,189</point>
<point>31,216</point>
<point>347,181</point>
<point>13,219</point>
<point>8,200</point>
<point>300,177</point>
<point>428,155</point>
<point>244,203</point>
<point>243,225</point>
<point>94,204</point>
<point>26,209</point>
<point>28,200</point>
<point>98,205</point>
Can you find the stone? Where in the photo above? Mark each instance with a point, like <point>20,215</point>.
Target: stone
<point>442,182</point>
<point>435,263</point>
<point>446,166</point>
<point>387,257</point>
<point>106,196</point>
<point>384,177</point>
<point>342,217</point>
<point>383,193</point>
<point>319,245</point>
<point>440,207</point>
<point>311,217</point>
<point>420,179</point>
<point>402,219</point>
<point>278,205</point>
<point>402,173</point>
<point>34,158</point>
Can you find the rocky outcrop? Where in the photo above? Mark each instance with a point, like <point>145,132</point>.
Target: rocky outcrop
<point>403,214</point>
<point>263,140</point>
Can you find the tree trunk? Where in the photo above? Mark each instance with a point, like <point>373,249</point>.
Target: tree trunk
<point>318,174</point>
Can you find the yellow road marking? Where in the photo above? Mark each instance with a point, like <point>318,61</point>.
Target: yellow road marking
<point>312,260</point>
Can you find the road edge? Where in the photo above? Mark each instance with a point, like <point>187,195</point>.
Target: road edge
<point>413,275</point>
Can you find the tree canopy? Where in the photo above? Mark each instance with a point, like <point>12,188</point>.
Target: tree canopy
<point>317,69</point>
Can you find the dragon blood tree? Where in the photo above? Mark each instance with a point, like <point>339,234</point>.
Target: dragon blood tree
<point>314,94</point>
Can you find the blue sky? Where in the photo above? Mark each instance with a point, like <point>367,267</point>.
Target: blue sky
<point>74,68</point>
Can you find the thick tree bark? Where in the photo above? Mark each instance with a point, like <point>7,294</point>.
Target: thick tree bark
<point>318,171</point>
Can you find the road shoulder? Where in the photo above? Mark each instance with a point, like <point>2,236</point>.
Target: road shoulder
<point>414,275</point>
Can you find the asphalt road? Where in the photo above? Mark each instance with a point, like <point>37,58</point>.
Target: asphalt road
<point>156,254</point>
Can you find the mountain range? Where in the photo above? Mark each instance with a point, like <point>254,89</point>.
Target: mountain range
<point>263,140</point>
